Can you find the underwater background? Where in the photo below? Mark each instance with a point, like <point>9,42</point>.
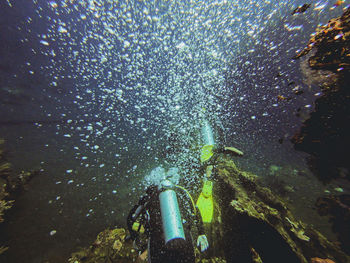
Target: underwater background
<point>96,94</point>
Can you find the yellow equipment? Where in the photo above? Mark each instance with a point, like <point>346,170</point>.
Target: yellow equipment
<point>138,228</point>
<point>205,202</point>
<point>206,153</point>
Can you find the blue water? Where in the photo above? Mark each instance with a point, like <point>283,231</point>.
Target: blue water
<point>92,93</point>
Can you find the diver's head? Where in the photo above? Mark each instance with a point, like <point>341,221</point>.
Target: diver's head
<point>166,184</point>
<point>159,174</point>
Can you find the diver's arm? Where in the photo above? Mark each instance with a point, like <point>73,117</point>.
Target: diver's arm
<point>134,214</point>
<point>195,217</point>
<point>234,150</point>
<point>131,220</point>
<point>202,240</point>
<point>138,209</point>
<point>199,223</point>
<point>230,149</point>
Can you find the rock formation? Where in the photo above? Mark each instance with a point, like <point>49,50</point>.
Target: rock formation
<point>325,134</point>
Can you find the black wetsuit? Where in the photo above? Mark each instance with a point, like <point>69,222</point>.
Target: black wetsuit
<point>158,251</point>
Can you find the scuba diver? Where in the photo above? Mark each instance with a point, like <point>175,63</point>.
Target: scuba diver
<point>167,223</point>
<point>166,215</point>
<point>208,158</point>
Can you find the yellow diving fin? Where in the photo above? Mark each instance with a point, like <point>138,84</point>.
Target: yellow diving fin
<point>205,202</point>
<point>206,152</point>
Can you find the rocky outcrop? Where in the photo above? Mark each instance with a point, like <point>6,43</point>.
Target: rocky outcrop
<point>332,42</point>
<point>5,170</point>
<point>261,220</point>
<point>10,185</point>
<point>325,134</point>
<point>109,246</point>
<point>338,210</point>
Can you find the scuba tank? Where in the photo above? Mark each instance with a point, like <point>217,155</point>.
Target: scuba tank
<point>207,134</point>
<point>173,230</point>
<point>208,142</point>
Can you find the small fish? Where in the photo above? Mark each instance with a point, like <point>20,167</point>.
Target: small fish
<point>338,3</point>
<point>98,4</point>
<point>297,90</point>
<point>301,9</point>
<point>282,98</point>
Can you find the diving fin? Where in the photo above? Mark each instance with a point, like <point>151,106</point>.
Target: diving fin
<point>206,153</point>
<point>205,202</point>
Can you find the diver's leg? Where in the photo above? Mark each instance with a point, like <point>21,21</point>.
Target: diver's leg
<point>156,249</point>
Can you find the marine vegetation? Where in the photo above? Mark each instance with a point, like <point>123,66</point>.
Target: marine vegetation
<point>246,215</point>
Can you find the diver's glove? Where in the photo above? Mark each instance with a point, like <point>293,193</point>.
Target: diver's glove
<point>202,241</point>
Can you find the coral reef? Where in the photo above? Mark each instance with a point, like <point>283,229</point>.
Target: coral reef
<point>325,134</point>
<point>251,225</point>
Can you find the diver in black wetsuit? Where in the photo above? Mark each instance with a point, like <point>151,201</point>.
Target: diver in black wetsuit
<point>167,213</point>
